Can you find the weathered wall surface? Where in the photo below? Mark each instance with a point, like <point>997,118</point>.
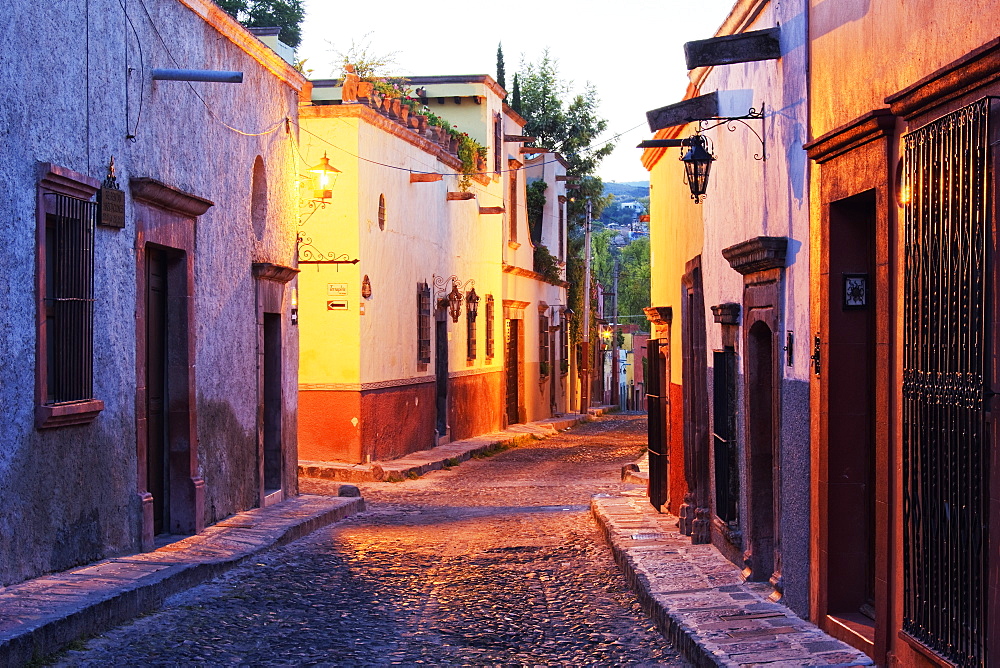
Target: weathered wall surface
<point>69,495</point>
<point>747,198</point>
<point>862,41</point>
<point>329,425</point>
<point>397,421</point>
<point>478,403</point>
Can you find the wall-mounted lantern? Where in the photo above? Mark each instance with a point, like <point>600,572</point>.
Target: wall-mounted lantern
<point>472,303</point>
<point>697,166</point>
<point>366,287</point>
<point>454,301</point>
<point>325,176</point>
<point>295,305</point>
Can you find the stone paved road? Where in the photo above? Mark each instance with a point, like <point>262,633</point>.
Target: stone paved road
<point>494,562</point>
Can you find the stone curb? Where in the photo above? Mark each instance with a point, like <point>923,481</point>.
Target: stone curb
<point>699,601</point>
<point>418,463</point>
<point>43,615</point>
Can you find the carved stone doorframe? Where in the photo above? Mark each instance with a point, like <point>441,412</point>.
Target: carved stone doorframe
<point>695,512</point>
<point>761,262</point>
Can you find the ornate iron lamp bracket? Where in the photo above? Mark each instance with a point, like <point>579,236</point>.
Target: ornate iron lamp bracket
<point>451,299</point>
<point>307,253</point>
<point>705,124</point>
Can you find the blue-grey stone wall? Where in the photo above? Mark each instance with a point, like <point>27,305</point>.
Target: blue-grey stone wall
<point>75,85</point>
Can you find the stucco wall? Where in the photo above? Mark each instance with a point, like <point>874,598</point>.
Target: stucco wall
<point>887,46</point>
<point>748,198</point>
<point>425,238</point>
<point>478,404</point>
<point>69,495</point>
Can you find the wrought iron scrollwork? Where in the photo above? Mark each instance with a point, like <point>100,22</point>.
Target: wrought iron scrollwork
<point>705,124</point>
<point>947,349</point>
<point>309,254</point>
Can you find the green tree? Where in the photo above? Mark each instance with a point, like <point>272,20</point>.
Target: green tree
<point>535,203</point>
<point>633,284</point>
<point>562,121</point>
<point>284,14</point>
<point>515,96</point>
<point>501,72</point>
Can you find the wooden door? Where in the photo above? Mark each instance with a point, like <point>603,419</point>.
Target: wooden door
<point>513,363</point>
<point>441,368</point>
<point>156,387</point>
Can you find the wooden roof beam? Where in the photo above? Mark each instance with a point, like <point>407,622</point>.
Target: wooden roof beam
<point>424,178</point>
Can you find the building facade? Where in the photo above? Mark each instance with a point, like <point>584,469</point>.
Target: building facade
<point>729,367</point>
<point>147,346</point>
<point>903,279</point>
<point>418,298</point>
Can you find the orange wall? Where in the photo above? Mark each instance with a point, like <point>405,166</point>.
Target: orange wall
<point>326,430</point>
<point>862,50</point>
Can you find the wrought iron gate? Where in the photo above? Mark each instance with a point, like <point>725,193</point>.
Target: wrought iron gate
<point>947,344</point>
<point>656,407</point>
<point>727,480</point>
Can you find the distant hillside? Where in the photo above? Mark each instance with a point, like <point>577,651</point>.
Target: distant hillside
<point>629,190</point>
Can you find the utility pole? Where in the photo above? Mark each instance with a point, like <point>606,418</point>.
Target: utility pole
<point>615,375</point>
<point>585,353</point>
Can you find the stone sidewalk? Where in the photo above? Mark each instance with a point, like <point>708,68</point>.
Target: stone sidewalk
<point>699,600</point>
<point>418,463</point>
<point>41,616</point>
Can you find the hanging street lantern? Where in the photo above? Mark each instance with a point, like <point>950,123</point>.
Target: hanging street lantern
<point>455,301</point>
<point>325,176</point>
<point>697,165</point>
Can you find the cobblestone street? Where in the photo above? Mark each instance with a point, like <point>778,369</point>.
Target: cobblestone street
<point>495,561</point>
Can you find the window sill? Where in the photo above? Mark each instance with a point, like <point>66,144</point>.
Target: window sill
<point>64,415</point>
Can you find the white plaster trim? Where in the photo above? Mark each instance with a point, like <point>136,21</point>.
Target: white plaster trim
<point>475,372</point>
<point>373,385</point>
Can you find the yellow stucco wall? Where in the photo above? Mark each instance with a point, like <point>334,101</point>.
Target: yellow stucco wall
<point>332,229</point>
<point>676,235</point>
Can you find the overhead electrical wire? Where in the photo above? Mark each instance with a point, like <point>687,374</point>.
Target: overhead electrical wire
<point>286,121</point>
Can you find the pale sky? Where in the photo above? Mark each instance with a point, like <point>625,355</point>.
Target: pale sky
<point>632,51</point>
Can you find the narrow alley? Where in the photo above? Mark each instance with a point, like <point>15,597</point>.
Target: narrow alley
<point>495,561</point>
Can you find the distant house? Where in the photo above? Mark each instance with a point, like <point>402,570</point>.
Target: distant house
<point>148,348</point>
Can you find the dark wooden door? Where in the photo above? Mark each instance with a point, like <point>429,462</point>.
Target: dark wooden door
<point>441,368</point>
<point>656,424</point>
<point>512,372</point>
<point>761,446</point>
<point>272,402</point>
<point>156,386</point>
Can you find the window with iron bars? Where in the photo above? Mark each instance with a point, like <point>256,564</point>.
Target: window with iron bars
<point>68,302</point>
<point>470,327</point>
<point>497,143</point>
<point>489,327</point>
<point>543,345</point>
<point>512,203</point>
<point>565,352</point>
<point>423,323</point>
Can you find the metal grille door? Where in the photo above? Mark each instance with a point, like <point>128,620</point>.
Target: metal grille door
<point>655,406</point>
<point>946,440</point>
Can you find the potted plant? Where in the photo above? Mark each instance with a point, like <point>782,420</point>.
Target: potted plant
<point>543,369</point>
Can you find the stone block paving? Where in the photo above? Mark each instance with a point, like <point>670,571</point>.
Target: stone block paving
<point>496,562</point>
<point>699,600</point>
<point>41,616</point>
<point>418,463</point>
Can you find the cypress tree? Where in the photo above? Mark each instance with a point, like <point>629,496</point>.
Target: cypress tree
<point>501,74</point>
<point>515,96</point>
